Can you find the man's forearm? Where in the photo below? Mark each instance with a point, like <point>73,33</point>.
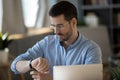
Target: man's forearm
<point>22,66</point>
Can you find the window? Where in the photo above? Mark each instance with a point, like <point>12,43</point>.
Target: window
<point>30,8</point>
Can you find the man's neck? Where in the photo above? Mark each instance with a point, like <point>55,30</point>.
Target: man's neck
<point>72,39</point>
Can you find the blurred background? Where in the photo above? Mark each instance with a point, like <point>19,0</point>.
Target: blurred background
<point>27,21</point>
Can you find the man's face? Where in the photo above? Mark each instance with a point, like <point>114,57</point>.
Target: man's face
<point>62,28</point>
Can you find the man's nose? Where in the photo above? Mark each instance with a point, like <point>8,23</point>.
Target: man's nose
<point>56,30</point>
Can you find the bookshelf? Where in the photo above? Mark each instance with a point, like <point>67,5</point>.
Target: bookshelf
<point>108,13</point>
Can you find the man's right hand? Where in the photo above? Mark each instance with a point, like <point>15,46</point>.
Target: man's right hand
<point>41,76</point>
<point>40,64</point>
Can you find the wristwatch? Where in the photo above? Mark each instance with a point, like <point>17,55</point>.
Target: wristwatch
<point>30,65</point>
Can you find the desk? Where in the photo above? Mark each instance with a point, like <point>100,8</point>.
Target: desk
<point>5,72</point>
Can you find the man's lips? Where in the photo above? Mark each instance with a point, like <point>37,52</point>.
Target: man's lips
<point>59,34</point>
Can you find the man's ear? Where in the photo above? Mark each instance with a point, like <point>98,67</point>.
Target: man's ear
<point>74,21</point>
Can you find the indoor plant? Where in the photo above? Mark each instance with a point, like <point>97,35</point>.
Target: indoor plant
<point>116,72</point>
<point>4,41</point>
<point>4,52</point>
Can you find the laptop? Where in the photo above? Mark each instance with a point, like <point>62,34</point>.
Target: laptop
<point>78,72</point>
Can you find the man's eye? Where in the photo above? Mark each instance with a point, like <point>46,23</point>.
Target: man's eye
<point>60,26</point>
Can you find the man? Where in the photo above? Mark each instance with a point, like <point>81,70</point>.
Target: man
<point>66,47</point>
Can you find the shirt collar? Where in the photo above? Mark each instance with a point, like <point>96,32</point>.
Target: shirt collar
<point>76,42</point>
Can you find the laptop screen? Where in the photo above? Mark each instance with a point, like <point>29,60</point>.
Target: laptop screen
<point>78,72</point>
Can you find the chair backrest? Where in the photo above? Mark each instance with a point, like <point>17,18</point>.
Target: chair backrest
<point>100,36</point>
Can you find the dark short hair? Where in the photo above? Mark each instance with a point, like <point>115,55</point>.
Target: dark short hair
<point>64,7</point>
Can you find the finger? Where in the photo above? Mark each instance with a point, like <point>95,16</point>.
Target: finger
<point>35,62</point>
<point>38,62</point>
<point>34,72</point>
<point>41,62</point>
<point>36,79</point>
<point>45,67</point>
<point>46,72</point>
<point>36,76</point>
<point>39,66</point>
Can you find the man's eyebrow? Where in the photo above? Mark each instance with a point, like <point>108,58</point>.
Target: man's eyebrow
<point>56,24</point>
<point>52,24</point>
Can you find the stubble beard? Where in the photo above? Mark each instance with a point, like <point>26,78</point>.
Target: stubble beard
<point>66,37</point>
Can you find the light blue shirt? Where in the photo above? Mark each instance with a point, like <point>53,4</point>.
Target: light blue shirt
<point>82,51</point>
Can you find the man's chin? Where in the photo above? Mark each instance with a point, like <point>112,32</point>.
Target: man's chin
<point>62,40</point>
<point>61,37</point>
